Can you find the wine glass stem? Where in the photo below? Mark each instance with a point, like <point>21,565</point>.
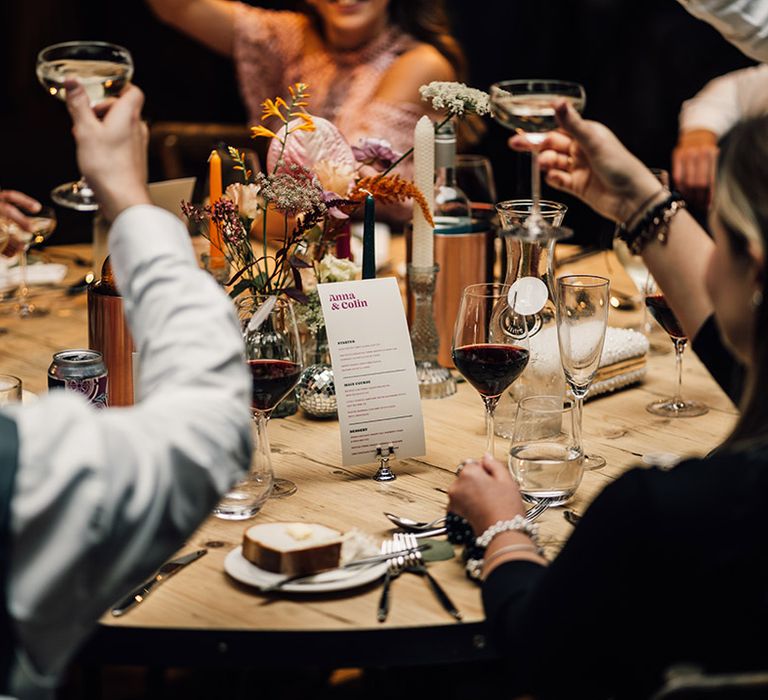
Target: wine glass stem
<point>262,458</point>
<point>535,183</point>
<point>578,400</point>
<point>679,348</point>
<point>490,435</point>
<point>23,286</point>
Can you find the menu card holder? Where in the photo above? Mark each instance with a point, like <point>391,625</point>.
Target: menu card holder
<point>384,473</point>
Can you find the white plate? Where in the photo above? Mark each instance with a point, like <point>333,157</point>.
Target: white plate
<point>240,569</point>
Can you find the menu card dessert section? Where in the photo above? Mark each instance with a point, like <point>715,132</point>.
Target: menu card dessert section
<point>376,387</point>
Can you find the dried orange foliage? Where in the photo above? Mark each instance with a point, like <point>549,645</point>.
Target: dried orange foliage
<point>390,189</point>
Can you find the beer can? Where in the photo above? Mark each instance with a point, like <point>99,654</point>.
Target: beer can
<point>82,371</point>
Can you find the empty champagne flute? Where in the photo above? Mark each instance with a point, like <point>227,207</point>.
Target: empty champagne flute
<point>528,108</point>
<point>490,345</point>
<point>676,406</point>
<point>274,355</point>
<point>103,70</point>
<point>43,224</point>
<point>582,318</point>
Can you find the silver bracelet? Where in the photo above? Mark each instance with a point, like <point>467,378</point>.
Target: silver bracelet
<point>517,524</point>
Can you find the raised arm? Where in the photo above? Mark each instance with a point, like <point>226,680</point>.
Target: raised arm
<point>211,22</point>
<point>102,497</point>
<point>587,160</point>
<point>705,118</point>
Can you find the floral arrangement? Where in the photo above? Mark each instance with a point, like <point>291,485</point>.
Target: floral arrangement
<point>313,181</point>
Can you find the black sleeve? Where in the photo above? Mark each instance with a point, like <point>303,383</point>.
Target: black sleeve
<point>553,623</point>
<point>725,369</point>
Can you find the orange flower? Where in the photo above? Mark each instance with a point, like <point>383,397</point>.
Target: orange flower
<point>259,130</point>
<point>389,189</point>
<point>271,108</point>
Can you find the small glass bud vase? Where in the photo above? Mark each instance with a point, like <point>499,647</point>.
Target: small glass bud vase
<point>435,381</point>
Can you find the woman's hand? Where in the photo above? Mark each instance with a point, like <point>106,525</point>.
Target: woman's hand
<point>12,201</point>
<point>111,151</point>
<point>587,160</point>
<point>694,162</point>
<point>484,493</point>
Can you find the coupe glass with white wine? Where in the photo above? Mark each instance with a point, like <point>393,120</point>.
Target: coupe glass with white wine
<point>528,108</point>
<point>103,70</point>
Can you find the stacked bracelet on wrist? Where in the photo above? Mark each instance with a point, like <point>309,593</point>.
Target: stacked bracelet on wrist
<point>653,225</point>
<point>475,565</point>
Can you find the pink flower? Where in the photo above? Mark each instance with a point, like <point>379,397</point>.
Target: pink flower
<point>375,152</point>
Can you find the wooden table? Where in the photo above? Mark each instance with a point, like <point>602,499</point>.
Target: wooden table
<point>203,615</point>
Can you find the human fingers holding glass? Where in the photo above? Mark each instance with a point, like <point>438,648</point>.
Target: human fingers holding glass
<point>111,151</point>
<point>13,204</point>
<point>586,159</point>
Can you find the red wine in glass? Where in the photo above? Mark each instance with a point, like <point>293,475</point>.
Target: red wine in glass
<point>490,368</point>
<point>665,317</point>
<point>272,380</point>
<point>677,406</point>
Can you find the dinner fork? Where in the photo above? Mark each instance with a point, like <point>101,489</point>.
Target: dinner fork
<point>394,568</point>
<point>415,564</point>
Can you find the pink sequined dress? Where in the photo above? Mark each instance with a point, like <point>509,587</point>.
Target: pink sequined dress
<point>269,56</point>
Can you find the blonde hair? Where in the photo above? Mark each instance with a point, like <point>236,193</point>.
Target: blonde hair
<point>741,204</point>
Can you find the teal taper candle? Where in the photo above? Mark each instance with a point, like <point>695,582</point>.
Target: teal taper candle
<point>369,246</point>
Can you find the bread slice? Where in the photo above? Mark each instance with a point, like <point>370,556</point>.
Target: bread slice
<point>292,548</point>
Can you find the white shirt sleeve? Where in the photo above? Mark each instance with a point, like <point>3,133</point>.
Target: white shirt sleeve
<point>724,101</point>
<point>103,496</point>
<point>742,22</point>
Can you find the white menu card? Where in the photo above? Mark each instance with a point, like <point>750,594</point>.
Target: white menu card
<point>377,392</point>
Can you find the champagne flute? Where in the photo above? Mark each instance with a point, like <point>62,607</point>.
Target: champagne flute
<point>103,70</point>
<point>527,107</point>
<point>490,345</point>
<point>43,223</point>
<point>676,406</point>
<point>582,318</point>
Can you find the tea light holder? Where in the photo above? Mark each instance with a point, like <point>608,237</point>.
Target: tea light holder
<point>435,381</point>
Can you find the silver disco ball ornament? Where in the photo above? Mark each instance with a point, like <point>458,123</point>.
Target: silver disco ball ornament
<point>316,391</point>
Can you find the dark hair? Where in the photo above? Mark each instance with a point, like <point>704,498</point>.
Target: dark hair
<point>425,20</point>
<point>741,204</point>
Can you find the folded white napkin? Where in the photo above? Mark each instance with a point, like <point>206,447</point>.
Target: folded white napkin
<point>40,273</point>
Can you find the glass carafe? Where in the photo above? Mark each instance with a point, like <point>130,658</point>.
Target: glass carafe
<point>531,277</point>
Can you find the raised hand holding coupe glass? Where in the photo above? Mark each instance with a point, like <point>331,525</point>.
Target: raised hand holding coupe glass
<point>274,355</point>
<point>490,345</point>
<point>582,318</point>
<point>103,70</point>
<point>677,406</point>
<point>528,108</point>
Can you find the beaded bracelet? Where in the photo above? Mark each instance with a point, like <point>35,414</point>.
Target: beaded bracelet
<point>518,524</point>
<point>654,224</point>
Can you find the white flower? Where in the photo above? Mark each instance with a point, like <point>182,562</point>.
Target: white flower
<point>246,199</point>
<point>335,177</point>
<point>333,269</point>
<point>455,98</point>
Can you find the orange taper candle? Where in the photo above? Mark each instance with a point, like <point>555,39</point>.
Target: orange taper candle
<point>214,179</point>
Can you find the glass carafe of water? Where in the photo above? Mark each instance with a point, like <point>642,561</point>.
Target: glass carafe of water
<point>530,274</point>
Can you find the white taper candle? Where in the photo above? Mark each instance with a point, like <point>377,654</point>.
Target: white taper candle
<point>424,179</point>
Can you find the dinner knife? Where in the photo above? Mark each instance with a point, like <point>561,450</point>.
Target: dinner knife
<point>138,594</point>
<point>377,559</point>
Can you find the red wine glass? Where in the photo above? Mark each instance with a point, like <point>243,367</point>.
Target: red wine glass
<point>676,406</point>
<point>490,345</point>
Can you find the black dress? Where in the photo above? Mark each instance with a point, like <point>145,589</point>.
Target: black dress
<point>665,567</point>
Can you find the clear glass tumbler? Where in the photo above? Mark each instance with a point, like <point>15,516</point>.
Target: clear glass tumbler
<point>545,456</point>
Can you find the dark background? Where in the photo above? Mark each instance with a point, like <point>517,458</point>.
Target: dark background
<point>637,62</point>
